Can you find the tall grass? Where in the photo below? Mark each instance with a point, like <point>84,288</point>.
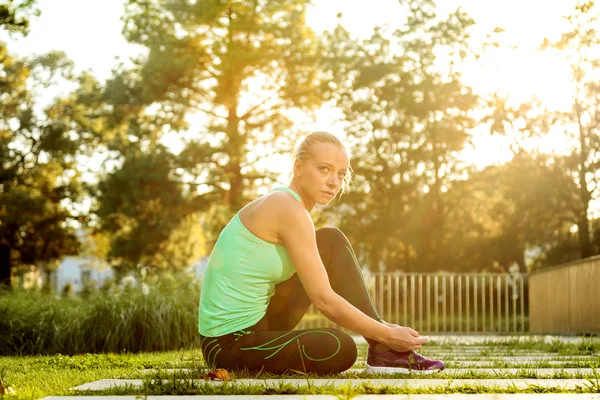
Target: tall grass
<point>159,317</point>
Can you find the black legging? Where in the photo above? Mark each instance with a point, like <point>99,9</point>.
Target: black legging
<point>272,346</point>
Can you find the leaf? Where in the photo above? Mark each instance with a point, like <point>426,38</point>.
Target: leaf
<point>218,374</point>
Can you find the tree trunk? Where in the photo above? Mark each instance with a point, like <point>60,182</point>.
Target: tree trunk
<point>583,225</point>
<point>5,266</point>
<point>234,168</point>
<point>521,263</point>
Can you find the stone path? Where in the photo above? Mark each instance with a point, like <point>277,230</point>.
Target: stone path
<point>569,384</point>
<point>237,397</point>
<point>476,365</point>
<point>457,396</point>
<point>539,372</point>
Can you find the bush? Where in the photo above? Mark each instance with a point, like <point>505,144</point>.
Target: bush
<point>158,317</point>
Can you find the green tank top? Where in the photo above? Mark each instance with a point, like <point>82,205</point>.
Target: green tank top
<point>240,278</point>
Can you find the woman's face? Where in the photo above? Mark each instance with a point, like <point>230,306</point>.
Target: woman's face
<point>322,173</point>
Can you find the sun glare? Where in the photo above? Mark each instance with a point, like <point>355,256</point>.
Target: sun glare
<point>520,72</point>
<point>516,69</point>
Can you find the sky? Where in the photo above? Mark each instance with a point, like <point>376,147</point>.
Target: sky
<point>89,31</point>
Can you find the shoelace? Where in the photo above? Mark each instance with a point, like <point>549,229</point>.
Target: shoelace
<point>418,354</point>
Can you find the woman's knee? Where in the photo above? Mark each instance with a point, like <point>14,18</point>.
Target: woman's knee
<point>331,235</point>
<point>347,353</point>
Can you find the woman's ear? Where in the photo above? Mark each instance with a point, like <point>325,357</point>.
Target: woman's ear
<point>298,167</point>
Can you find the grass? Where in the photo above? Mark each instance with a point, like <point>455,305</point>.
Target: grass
<point>51,344</point>
<point>163,317</point>
<point>34,377</point>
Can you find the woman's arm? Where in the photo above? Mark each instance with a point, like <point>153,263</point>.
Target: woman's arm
<point>296,229</point>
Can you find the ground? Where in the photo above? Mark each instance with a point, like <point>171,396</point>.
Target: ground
<point>475,365</point>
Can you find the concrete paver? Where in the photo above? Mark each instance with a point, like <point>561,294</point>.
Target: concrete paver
<point>455,396</point>
<point>413,383</point>
<point>483,396</point>
<point>209,397</point>
<point>540,372</point>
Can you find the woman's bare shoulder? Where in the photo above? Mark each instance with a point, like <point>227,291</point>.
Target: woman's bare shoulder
<point>284,210</point>
<point>283,204</point>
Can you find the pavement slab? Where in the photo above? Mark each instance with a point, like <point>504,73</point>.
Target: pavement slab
<point>455,396</point>
<point>540,372</point>
<point>487,339</point>
<point>483,396</point>
<point>568,384</point>
<point>209,397</point>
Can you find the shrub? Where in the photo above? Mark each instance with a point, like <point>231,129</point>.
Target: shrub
<point>161,316</point>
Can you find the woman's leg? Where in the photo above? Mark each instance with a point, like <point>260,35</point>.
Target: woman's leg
<point>290,302</point>
<point>272,346</point>
<point>319,351</point>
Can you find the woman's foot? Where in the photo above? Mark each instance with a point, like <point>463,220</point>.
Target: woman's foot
<point>392,361</point>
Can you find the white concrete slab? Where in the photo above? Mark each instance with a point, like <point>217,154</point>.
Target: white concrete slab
<point>519,358</point>
<point>455,396</point>
<point>482,338</point>
<point>213,397</point>
<point>483,396</point>
<point>514,364</point>
<point>540,372</point>
<point>412,383</point>
<point>471,349</point>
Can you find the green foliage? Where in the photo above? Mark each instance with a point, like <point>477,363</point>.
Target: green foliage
<point>241,65</point>
<point>38,172</point>
<point>408,117</point>
<point>156,317</point>
<point>580,45</point>
<point>500,213</point>
<point>147,214</point>
<point>15,15</point>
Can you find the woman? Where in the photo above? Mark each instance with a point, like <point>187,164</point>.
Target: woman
<point>269,265</point>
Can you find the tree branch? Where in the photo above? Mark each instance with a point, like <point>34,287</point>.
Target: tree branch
<point>264,156</point>
<point>248,113</point>
<point>197,107</point>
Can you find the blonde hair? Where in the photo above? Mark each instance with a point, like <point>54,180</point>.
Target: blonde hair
<point>302,150</point>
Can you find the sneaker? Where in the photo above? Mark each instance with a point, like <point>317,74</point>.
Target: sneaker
<point>392,361</point>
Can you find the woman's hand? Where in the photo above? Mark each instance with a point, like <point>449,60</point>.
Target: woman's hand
<point>404,338</point>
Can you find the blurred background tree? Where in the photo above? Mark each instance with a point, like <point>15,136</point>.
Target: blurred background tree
<point>408,116</point>
<point>15,15</point>
<point>147,215</point>
<point>581,46</point>
<point>226,82</point>
<point>239,67</point>
<point>38,170</point>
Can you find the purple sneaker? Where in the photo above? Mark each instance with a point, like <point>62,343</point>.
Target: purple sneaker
<point>392,361</point>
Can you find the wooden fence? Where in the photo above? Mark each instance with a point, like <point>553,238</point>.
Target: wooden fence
<point>566,298</point>
<point>480,302</point>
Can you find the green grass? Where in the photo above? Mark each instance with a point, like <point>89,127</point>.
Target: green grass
<point>34,377</point>
<point>161,319</point>
<point>584,345</point>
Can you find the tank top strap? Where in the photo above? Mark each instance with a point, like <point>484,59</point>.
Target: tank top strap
<point>285,189</point>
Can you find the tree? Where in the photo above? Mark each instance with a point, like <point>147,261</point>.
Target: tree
<point>408,118</point>
<point>149,218</point>
<point>498,215</point>
<point>581,46</point>
<point>15,15</point>
<point>239,65</point>
<point>38,175</point>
